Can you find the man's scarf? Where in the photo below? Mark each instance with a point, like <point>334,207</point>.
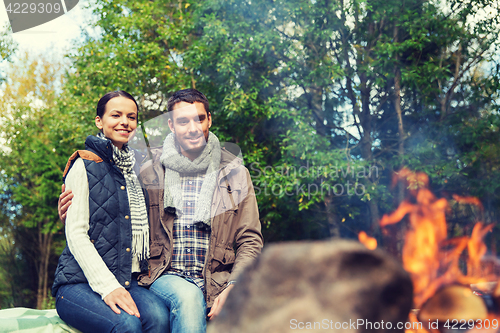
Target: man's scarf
<point>125,159</point>
<point>175,163</point>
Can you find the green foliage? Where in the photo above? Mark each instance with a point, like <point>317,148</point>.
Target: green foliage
<point>7,45</point>
<point>38,134</point>
<point>5,284</point>
<point>314,84</point>
<point>7,49</point>
<point>333,87</point>
<point>140,51</point>
<point>326,99</point>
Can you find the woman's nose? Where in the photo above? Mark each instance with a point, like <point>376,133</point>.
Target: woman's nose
<point>124,121</point>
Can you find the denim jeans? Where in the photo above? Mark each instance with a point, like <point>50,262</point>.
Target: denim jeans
<point>185,301</point>
<point>84,309</point>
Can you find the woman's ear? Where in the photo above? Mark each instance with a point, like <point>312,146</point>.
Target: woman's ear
<point>98,122</point>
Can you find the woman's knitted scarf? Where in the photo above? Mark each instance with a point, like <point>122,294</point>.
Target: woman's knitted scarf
<point>124,159</point>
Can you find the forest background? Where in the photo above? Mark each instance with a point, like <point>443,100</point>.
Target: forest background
<point>327,100</point>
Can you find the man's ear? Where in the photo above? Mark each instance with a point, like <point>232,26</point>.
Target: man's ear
<point>98,122</point>
<point>171,125</point>
<point>209,120</point>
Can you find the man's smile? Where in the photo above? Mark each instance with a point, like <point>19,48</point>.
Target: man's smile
<point>195,139</point>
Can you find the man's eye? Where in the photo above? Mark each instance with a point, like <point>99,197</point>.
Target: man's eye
<point>115,116</point>
<point>132,118</point>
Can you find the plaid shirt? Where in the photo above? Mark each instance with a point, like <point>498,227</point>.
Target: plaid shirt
<point>190,241</point>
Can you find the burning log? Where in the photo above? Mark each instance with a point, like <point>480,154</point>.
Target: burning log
<point>453,302</point>
<point>441,289</point>
<point>428,255</point>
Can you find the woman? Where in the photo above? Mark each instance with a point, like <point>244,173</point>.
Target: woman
<point>107,231</point>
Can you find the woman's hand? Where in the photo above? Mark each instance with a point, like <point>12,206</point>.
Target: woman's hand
<point>64,203</point>
<point>122,298</point>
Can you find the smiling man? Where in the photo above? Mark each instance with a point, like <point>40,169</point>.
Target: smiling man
<point>190,127</point>
<point>204,221</point>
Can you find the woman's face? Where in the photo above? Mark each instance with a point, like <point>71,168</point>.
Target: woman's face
<point>119,120</point>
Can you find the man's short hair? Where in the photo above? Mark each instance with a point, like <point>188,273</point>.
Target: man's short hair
<point>188,96</point>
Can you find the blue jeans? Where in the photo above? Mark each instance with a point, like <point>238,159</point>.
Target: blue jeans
<point>84,309</point>
<point>185,301</point>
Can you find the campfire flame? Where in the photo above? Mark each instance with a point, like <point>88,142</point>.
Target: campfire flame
<point>428,255</point>
<point>369,242</point>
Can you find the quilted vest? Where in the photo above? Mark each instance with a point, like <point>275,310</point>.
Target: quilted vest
<point>110,227</point>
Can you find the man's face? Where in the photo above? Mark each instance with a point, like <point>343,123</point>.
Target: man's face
<point>190,124</point>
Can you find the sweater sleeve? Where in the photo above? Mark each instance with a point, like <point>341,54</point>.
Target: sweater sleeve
<point>100,278</point>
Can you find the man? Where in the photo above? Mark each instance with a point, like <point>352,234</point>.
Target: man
<point>203,216</point>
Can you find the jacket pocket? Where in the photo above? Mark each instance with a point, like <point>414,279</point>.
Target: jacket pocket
<point>151,183</point>
<point>223,260</point>
<point>157,255</point>
<point>219,280</point>
<point>158,260</point>
<point>155,250</point>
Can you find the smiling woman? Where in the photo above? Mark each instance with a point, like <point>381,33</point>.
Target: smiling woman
<point>107,231</point>
<point>117,118</point>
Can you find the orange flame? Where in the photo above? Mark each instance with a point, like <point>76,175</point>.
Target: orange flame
<point>369,242</point>
<point>468,200</point>
<point>431,259</point>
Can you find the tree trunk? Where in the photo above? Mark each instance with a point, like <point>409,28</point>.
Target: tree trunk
<point>366,143</point>
<point>332,217</point>
<point>397,107</point>
<point>45,243</point>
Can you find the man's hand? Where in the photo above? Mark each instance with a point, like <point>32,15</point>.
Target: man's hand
<point>64,203</point>
<point>122,298</point>
<point>219,302</point>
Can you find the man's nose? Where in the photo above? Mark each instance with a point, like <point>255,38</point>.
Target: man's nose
<point>193,126</point>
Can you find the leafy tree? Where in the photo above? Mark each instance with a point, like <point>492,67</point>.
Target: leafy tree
<point>37,133</point>
<point>7,48</point>
<point>364,82</point>
<point>350,90</point>
<point>139,51</point>
<point>7,45</point>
